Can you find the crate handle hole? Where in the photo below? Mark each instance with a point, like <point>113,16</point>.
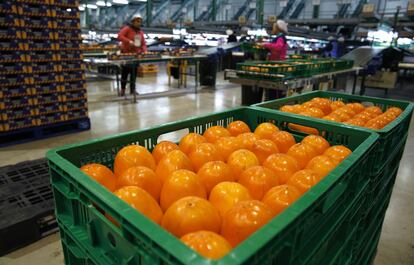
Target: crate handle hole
<point>174,136</point>
<point>111,239</point>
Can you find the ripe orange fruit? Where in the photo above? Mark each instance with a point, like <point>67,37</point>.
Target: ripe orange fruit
<point>356,107</point>
<point>348,110</point>
<point>280,197</point>
<point>331,118</point>
<point>265,130</point>
<point>288,108</point>
<point>207,244</point>
<point>303,153</point>
<point>243,219</point>
<point>133,155</point>
<point>374,110</point>
<point>283,140</point>
<point>321,165</point>
<point>142,201</point>
<point>297,108</point>
<point>337,152</point>
<point>316,112</point>
<point>190,141</point>
<point>171,162</point>
<point>342,114</point>
<point>303,180</point>
<point>238,127</point>
<point>163,148</point>
<point>191,214</point>
<point>263,148</point>
<point>101,174</point>
<point>324,104</point>
<point>363,116</point>
<point>215,132</point>
<point>397,111</point>
<point>309,104</point>
<point>214,172</point>
<point>142,177</point>
<point>241,160</point>
<point>227,145</point>
<point>258,180</point>
<point>179,184</point>
<point>356,122</point>
<point>225,194</point>
<point>318,143</point>
<point>247,140</point>
<point>337,104</point>
<point>204,153</point>
<point>283,165</point>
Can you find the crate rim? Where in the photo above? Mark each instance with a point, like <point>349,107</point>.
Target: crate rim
<point>391,125</point>
<point>170,243</point>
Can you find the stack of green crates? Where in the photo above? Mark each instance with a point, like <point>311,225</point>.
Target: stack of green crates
<point>319,228</point>
<point>386,159</point>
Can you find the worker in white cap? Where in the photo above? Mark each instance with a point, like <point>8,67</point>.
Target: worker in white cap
<point>231,36</point>
<point>278,46</point>
<point>132,41</point>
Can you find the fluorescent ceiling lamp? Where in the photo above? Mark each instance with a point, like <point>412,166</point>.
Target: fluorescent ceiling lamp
<point>91,6</point>
<point>108,4</point>
<point>81,8</point>
<point>100,3</point>
<point>121,2</point>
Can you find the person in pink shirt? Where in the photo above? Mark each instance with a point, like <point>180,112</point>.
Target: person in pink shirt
<point>278,46</point>
<point>132,41</point>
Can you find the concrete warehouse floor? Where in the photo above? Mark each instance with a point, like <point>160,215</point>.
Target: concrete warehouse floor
<point>110,114</point>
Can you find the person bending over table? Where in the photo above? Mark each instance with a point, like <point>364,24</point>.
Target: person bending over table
<point>132,41</point>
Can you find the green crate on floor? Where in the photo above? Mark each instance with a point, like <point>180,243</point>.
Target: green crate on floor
<point>390,136</point>
<point>296,236</point>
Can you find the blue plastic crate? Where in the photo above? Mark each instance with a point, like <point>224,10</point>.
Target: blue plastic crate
<point>72,76</point>
<point>7,79</point>
<point>41,2</point>
<point>39,45</point>
<point>72,66</point>
<point>71,55</point>
<point>71,86</point>
<point>66,12</point>
<point>50,108</point>
<point>76,114</point>
<point>16,113</point>
<point>51,118</point>
<point>15,102</point>
<point>62,23</point>
<point>12,56</point>
<point>77,104</point>
<point>65,3</point>
<point>47,98</point>
<point>43,67</point>
<point>42,78</point>
<point>74,95</point>
<point>10,32</point>
<point>12,44</point>
<point>67,45</point>
<point>40,89</point>
<point>12,67</point>
<point>16,124</point>
<point>61,34</point>
<point>37,22</point>
<point>8,7</point>
<point>11,20</point>
<point>40,56</point>
<point>39,34</point>
<point>34,10</point>
<point>15,91</point>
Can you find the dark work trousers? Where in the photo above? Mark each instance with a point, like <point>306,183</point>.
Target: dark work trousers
<point>126,70</point>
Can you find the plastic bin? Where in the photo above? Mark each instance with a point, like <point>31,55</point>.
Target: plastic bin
<point>12,56</point>
<point>65,12</point>
<point>39,34</point>
<point>12,44</point>
<point>8,7</point>
<point>34,10</point>
<point>297,236</point>
<point>60,34</point>
<point>37,22</point>
<point>9,20</point>
<point>13,79</point>
<point>15,113</point>
<point>16,91</point>
<point>62,23</point>
<point>51,118</point>
<point>50,108</point>
<point>71,55</point>
<point>44,67</point>
<point>77,104</point>
<point>74,95</point>
<point>48,99</point>
<point>76,114</point>
<point>16,124</point>
<point>39,45</point>
<point>64,44</point>
<point>65,3</point>
<point>12,68</point>
<point>72,86</point>
<point>390,136</point>
<point>71,66</point>
<point>46,88</point>
<point>43,78</point>
<point>72,76</point>
<point>41,56</point>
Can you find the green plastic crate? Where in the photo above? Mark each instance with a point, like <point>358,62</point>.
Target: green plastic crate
<point>286,68</point>
<point>390,136</point>
<point>296,236</point>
